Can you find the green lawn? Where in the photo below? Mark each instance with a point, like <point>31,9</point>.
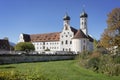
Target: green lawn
<point>57,70</point>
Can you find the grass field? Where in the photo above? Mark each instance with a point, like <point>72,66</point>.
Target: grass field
<point>57,70</point>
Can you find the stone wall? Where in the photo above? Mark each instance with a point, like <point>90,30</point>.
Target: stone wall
<point>15,58</point>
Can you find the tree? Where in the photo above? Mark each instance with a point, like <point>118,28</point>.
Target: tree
<point>24,46</point>
<point>95,43</point>
<point>111,36</point>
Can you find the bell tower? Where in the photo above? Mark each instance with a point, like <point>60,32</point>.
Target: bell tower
<point>83,22</point>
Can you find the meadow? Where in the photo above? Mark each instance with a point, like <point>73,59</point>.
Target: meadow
<point>53,70</point>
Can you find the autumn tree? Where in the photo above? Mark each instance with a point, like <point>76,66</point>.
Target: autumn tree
<point>111,36</point>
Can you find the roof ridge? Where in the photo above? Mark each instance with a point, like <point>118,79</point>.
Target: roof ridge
<point>79,34</point>
<point>45,33</point>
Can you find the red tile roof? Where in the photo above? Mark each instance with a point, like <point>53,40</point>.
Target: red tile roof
<point>45,37</point>
<point>79,34</point>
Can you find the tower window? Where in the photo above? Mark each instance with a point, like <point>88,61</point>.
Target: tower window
<point>82,23</point>
<point>66,27</point>
<point>85,23</point>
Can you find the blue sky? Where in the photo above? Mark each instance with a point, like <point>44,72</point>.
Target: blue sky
<point>43,16</point>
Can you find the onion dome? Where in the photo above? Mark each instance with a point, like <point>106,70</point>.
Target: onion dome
<point>66,17</point>
<point>83,14</point>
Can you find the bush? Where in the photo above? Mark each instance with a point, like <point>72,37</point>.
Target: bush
<point>83,58</point>
<point>116,59</point>
<point>19,76</point>
<point>93,63</point>
<point>98,62</point>
<point>111,69</point>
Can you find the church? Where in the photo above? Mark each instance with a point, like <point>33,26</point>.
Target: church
<point>69,39</point>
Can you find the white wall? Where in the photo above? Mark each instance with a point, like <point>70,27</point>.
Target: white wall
<point>90,47</point>
<point>21,38</point>
<point>80,45</point>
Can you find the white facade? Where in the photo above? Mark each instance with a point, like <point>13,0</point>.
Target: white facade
<point>66,37</point>
<point>69,39</point>
<point>42,46</point>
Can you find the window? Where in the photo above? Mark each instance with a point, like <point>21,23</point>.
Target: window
<point>84,48</point>
<point>62,42</point>
<point>85,23</point>
<point>66,36</point>
<point>84,41</point>
<point>43,43</point>
<point>70,35</point>
<point>66,27</point>
<point>70,42</point>
<point>43,47</point>
<point>82,23</point>
<point>63,49</point>
<point>66,42</point>
<point>69,49</point>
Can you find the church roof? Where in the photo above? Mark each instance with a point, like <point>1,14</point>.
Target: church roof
<point>74,30</point>
<point>79,35</point>
<point>66,17</point>
<point>45,37</point>
<point>90,38</point>
<point>4,44</point>
<point>83,14</point>
<point>26,37</point>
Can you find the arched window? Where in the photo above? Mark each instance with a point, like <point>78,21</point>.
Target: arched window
<point>62,42</point>
<point>82,23</point>
<point>66,42</point>
<point>70,42</point>
<point>85,23</point>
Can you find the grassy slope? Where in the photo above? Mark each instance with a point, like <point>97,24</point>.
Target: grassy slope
<point>57,70</point>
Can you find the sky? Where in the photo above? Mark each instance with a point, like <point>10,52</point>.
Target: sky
<point>45,16</point>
